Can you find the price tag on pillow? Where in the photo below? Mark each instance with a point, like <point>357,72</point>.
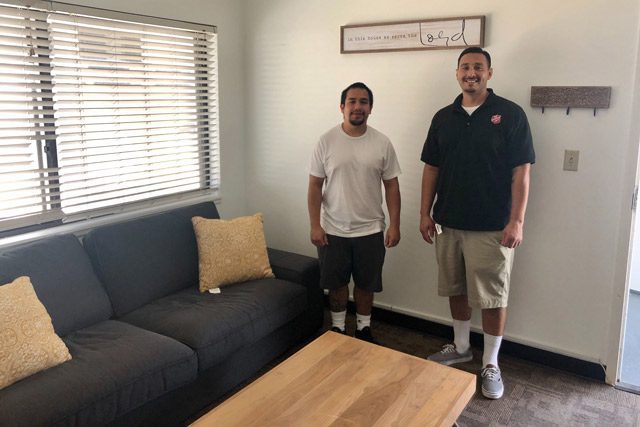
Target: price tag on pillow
<point>214,290</point>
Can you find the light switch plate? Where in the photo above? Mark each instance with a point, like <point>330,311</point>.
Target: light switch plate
<point>571,158</point>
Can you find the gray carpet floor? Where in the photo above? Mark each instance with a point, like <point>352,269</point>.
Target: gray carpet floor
<point>535,395</point>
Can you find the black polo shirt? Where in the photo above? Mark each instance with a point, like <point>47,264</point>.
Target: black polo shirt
<point>475,156</point>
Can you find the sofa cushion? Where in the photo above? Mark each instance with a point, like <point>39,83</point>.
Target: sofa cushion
<point>63,279</point>
<point>147,258</point>
<point>231,251</point>
<point>28,343</point>
<point>215,325</point>
<point>116,367</point>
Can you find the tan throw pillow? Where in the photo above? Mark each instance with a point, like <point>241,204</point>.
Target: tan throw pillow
<point>231,251</point>
<point>28,343</point>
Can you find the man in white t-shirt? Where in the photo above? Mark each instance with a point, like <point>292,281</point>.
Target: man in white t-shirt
<point>352,161</point>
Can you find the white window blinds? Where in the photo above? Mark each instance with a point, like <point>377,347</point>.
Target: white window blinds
<point>105,113</point>
<point>26,117</point>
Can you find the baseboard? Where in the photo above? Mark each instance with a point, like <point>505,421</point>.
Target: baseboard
<point>521,351</point>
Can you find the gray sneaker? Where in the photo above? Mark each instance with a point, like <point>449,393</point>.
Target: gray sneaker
<point>448,355</point>
<point>492,386</point>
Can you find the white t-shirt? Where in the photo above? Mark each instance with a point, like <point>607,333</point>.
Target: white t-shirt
<point>353,168</point>
<point>471,110</point>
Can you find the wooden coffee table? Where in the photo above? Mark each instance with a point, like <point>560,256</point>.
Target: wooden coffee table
<point>337,380</point>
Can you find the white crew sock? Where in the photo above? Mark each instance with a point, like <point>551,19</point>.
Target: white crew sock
<point>362,321</point>
<point>461,331</point>
<point>491,349</point>
<point>338,319</point>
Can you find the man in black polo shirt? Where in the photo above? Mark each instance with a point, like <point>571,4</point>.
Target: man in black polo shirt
<point>477,158</point>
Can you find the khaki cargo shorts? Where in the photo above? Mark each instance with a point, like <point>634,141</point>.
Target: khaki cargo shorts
<point>474,263</point>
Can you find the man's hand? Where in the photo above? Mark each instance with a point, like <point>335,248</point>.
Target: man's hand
<point>393,237</point>
<point>512,235</point>
<point>427,228</point>
<point>319,237</point>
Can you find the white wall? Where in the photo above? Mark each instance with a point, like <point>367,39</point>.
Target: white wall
<point>570,265</point>
<point>228,16</point>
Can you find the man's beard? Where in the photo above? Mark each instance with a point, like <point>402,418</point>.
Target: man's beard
<point>472,88</point>
<point>356,122</point>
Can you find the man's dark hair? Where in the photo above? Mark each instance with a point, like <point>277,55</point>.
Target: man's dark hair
<point>475,50</point>
<point>356,85</point>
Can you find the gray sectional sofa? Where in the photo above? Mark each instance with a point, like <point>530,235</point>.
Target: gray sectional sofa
<point>147,347</point>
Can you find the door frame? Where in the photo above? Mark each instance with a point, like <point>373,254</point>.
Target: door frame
<point>621,284</point>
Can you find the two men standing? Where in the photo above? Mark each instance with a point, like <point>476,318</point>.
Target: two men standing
<point>477,158</point>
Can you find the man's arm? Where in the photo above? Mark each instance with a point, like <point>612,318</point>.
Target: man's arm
<point>512,233</point>
<point>314,202</point>
<point>392,196</point>
<point>429,180</point>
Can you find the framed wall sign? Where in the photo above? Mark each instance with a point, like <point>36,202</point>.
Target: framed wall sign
<point>445,33</point>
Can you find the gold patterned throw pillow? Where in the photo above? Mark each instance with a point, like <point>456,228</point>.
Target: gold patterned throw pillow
<point>231,251</point>
<point>28,343</point>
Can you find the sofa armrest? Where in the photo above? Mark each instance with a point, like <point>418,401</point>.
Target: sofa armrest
<point>304,270</point>
<point>294,267</point>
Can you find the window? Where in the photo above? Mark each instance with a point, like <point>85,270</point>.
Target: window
<point>100,115</point>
